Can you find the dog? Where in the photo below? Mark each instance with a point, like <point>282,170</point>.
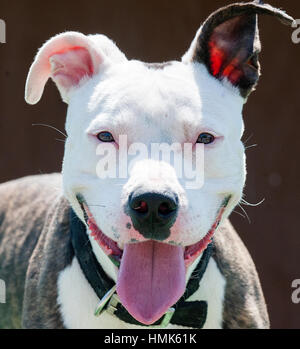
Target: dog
<point>144,249</point>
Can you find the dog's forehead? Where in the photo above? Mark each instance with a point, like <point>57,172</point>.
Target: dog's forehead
<point>151,87</point>
<point>169,97</point>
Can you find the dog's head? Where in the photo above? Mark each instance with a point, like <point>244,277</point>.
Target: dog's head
<point>153,219</point>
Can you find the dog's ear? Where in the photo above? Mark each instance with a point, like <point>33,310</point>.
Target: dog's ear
<point>228,43</point>
<point>68,59</point>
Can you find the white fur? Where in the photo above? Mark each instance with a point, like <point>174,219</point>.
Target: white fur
<point>212,290</point>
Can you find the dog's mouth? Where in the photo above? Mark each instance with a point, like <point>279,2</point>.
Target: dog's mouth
<point>152,274</point>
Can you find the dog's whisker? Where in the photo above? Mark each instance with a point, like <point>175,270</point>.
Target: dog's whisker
<point>244,202</point>
<point>60,140</point>
<point>52,127</point>
<point>248,139</point>
<point>249,220</point>
<point>239,213</point>
<point>251,146</point>
<point>86,243</point>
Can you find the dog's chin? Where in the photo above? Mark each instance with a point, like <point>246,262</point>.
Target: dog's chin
<point>152,274</point>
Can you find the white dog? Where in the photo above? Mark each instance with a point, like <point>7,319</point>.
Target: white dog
<point>143,242</point>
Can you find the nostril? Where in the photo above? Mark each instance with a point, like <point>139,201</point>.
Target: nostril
<point>141,207</point>
<point>164,209</point>
<point>152,214</point>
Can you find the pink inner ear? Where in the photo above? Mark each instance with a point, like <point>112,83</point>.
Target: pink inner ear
<point>69,67</point>
<point>218,57</point>
<point>228,48</point>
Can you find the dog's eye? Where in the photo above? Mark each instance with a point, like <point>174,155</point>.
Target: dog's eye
<point>105,137</point>
<point>205,138</point>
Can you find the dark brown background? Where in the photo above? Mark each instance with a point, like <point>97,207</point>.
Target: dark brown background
<point>158,30</point>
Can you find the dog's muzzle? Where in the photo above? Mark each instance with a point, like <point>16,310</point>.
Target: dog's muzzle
<point>154,264</point>
<point>153,214</point>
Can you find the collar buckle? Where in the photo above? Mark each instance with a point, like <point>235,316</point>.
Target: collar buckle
<point>103,301</point>
<point>113,300</point>
<point>167,318</point>
<point>113,303</point>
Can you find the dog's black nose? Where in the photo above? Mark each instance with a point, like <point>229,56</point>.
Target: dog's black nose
<point>153,214</point>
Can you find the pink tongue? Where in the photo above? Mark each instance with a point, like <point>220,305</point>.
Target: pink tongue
<point>151,279</point>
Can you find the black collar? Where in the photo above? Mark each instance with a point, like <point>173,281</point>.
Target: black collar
<point>190,314</point>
